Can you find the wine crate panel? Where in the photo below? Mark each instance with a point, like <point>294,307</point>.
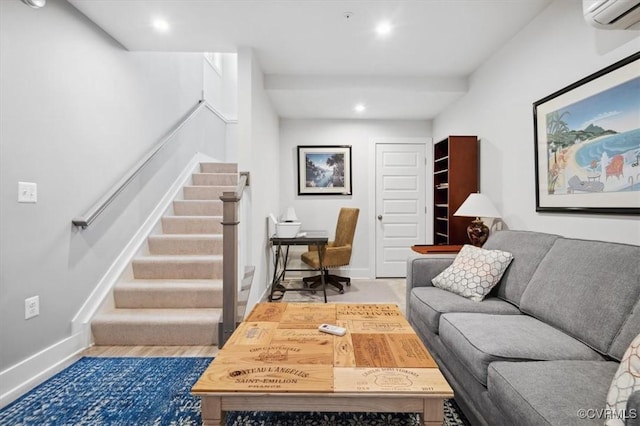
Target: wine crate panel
<point>301,336</point>
<point>390,350</point>
<point>307,315</point>
<point>367,311</point>
<point>395,325</point>
<point>221,377</point>
<point>343,355</point>
<point>252,333</point>
<point>391,380</point>
<point>267,312</point>
<point>277,354</point>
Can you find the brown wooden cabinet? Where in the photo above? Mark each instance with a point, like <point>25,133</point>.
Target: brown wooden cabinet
<point>456,172</point>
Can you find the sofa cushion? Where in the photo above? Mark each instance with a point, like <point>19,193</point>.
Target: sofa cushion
<point>625,382</point>
<point>550,392</point>
<point>474,272</point>
<point>431,302</point>
<point>480,339</point>
<point>626,334</point>
<point>528,249</point>
<point>586,288</point>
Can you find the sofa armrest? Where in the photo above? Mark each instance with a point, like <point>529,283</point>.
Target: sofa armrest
<point>421,269</point>
<point>633,409</point>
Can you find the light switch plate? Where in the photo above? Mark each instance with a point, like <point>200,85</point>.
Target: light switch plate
<point>27,192</point>
<point>31,307</point>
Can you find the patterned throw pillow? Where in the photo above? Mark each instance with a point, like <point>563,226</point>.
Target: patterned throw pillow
<point>474,272</point>
<point>625,382</point>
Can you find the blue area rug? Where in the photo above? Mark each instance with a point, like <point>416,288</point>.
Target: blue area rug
<point>156,391</point>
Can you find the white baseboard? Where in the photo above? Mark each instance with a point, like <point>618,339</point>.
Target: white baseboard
<point>39,367</point>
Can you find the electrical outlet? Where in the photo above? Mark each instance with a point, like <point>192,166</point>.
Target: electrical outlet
<point>27,192</point>
<point>31,307</point>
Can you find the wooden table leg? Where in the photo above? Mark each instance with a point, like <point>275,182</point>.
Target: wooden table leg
<point>433,412</point>
<point>212,414</point>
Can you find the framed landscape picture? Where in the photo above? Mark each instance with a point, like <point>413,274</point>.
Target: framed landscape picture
<point>324,170</point>
<point>587,143</point>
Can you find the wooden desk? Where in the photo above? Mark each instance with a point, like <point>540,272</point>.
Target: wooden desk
<point>280,263</point>
<point>277,360</point>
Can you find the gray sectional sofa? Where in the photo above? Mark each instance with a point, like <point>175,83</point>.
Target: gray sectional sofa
<point>543,347</point>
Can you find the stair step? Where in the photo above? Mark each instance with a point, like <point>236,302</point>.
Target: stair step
<point>156,327</point>
<point>215,179</point>
<point>192,224</point>
<point>145,294</point>
<point>197,207</point>
<point>218,167</point>
<point>177,267</point>
<point>185,244</point>
<point>201,192</point>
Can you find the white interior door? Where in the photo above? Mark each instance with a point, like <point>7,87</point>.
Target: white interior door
<point>400,205</point>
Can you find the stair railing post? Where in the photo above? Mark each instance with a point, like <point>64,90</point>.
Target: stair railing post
<point>229,266</point>
<point>230,281</point>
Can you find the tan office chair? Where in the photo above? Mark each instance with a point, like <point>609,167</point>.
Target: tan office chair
<point>336,253</point>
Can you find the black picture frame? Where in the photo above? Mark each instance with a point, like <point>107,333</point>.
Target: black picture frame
<point>324,170</point>
<point>587,143</point>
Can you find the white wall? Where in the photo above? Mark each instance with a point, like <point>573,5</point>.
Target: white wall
<point>77,111</point>
<point>555,50</point>
<point>258,137</point>
<point>321,212</point>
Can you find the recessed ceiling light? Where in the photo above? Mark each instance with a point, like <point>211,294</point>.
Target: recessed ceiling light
<point>359,108</point>
<point>384,28</point>
<point>161,25</point>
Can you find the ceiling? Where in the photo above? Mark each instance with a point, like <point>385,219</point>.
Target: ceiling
<point>318,63</point>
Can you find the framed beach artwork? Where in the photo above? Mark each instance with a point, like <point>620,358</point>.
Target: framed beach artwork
<point>324,170</point>
<point>587,143</point>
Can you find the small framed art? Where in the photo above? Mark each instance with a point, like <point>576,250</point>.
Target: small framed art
<point>324,170</point>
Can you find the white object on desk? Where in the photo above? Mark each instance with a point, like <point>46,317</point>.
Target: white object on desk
<point>287,229</point>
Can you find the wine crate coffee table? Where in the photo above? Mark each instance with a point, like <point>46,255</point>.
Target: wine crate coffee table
<point>277,360</point>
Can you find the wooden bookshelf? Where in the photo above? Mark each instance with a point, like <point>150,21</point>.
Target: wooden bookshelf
<point>456,174</point>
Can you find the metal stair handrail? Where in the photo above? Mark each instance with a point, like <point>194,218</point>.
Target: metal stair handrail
<point>95,210</point>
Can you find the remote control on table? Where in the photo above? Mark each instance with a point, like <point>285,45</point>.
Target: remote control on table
<point>332,329</point>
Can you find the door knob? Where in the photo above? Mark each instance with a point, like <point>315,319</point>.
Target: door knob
<point>379,217</point>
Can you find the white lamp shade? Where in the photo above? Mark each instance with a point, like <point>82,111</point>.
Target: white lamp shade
<point>290,215</point>
<point>477,205</point>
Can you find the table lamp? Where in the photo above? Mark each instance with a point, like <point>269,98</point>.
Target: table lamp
<point>477,205</point>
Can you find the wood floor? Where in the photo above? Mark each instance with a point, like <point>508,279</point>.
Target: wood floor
<point>151,351</point>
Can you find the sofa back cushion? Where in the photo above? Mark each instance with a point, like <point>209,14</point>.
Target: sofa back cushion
<point>528,249</point>
<point>627,332</point>
<point>585,288</point>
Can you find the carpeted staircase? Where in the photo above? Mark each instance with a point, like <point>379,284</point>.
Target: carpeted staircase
<point>173,295</point>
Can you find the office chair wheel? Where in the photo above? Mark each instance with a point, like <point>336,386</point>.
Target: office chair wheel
<point>341,291</point>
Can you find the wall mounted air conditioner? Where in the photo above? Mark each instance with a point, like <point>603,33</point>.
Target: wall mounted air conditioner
<point>612,14</point>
